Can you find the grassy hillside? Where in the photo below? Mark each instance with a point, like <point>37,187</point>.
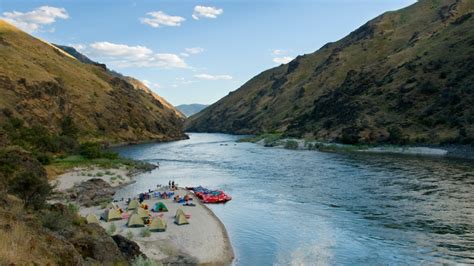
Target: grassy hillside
<point>191,109</point>
<point>406,76</point>
<point>44,85</point>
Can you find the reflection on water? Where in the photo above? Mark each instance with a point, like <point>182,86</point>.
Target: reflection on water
<point>307,207</point>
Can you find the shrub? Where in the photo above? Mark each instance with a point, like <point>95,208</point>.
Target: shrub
<point>428,87</point>
<point>22,175</point>
<point>93,151</point>
<point>112,229</point>
<point>73,208</point>
<point>140,261</point>
<point>54,220</point>
<point>145,232</point>
<point>350,135</point>
<point>59,217</point>
<point>395,135</point>
<point>32,189</point>
<point>291,144</point>
<point>43,158</point>
<point>90,150</point>
<point>129,235</point>
<point>68,127</point>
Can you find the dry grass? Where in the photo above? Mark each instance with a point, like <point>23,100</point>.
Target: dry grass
<point>19,242</point>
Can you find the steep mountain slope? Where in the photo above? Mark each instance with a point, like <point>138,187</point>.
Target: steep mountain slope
<point>191,109</point>
<point>405,76</point>
<point>42,84</point>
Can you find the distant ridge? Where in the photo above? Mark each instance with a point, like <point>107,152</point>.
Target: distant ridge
<point>191,109</point>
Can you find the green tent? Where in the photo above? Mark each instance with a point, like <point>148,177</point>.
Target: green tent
<point>160,207</point>
<point>92,219</point>
<point>142,213</point>
<point>111,215</point>
<point>133,205</point>
<point>157,225</point>
<point>178,212</point>
<point>181,219</point>
<point>135,221</point>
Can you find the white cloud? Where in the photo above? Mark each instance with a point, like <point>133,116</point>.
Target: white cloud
<point>213,77</point>
<point>279,52</point>
<point>160,18</point>
<point>151,85</point>
<point>120,50</point>
<point>37,18</point>
<point>194,50</point>
<point>283,60</point>
<point>184,54</point>
<point>122,55</point>
<point>206,12</point>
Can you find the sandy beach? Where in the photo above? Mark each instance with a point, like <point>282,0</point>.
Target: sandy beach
<point>203,241</point>
<point>115,177</point>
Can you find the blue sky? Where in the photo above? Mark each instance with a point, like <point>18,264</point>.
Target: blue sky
<point>193,51</point>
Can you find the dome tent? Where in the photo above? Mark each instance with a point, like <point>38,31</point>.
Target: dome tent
<point>157,225</point>
<point>133,205</point>
<point>180,219</point>
<point>159,207</point>
<point>135,221</point>
<point>92,219</point>
<point>178,212</point>
<point>111,215</point>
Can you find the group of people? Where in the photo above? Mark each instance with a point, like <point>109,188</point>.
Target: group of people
<point>172,185</point>
<point>164,195</point>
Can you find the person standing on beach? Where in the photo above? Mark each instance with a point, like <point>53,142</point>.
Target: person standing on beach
<point>172,184</point>
<point>169,184</point>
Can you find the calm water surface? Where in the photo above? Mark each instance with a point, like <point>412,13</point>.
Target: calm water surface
<point>313,208</point>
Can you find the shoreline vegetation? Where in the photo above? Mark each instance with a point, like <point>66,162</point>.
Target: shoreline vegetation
<point>40,224</point>
<point>280,141</point>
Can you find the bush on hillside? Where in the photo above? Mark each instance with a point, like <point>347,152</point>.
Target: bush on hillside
<point>22,175</point>
<point>92,150</point>
<point>291,145</point>
<point>38,138</point>
<point>68,127</point>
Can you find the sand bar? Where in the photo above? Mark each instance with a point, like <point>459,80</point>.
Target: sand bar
<point>203,241</point>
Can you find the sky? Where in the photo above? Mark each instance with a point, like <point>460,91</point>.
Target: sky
<point>193,51</point>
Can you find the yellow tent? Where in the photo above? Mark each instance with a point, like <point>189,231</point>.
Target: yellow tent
<point>142,213</point>
<point>181,219</point>
<point>92,219</point>
<point>135,221</point>
<point>111,215</point>
<point>133,205</point>
<point>178,212</point>
<point>157,225</point>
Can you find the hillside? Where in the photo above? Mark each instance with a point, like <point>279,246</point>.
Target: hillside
<point>191,109</point>
<point>43,85</point>
<point>404,77</point>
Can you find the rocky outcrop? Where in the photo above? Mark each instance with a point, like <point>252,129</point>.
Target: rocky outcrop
<point>95,245</point>
<point>91,192</point>
<point>129,249</point>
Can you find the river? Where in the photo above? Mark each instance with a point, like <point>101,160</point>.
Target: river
<point>309,207</point>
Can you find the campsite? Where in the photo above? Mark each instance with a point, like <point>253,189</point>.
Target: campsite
<point>174,229</point>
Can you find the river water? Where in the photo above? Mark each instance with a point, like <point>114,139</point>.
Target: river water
<point>314,208</point>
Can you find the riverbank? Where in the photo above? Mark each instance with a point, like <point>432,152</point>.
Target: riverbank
<point>275,140</point>
<point>203,241</point>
